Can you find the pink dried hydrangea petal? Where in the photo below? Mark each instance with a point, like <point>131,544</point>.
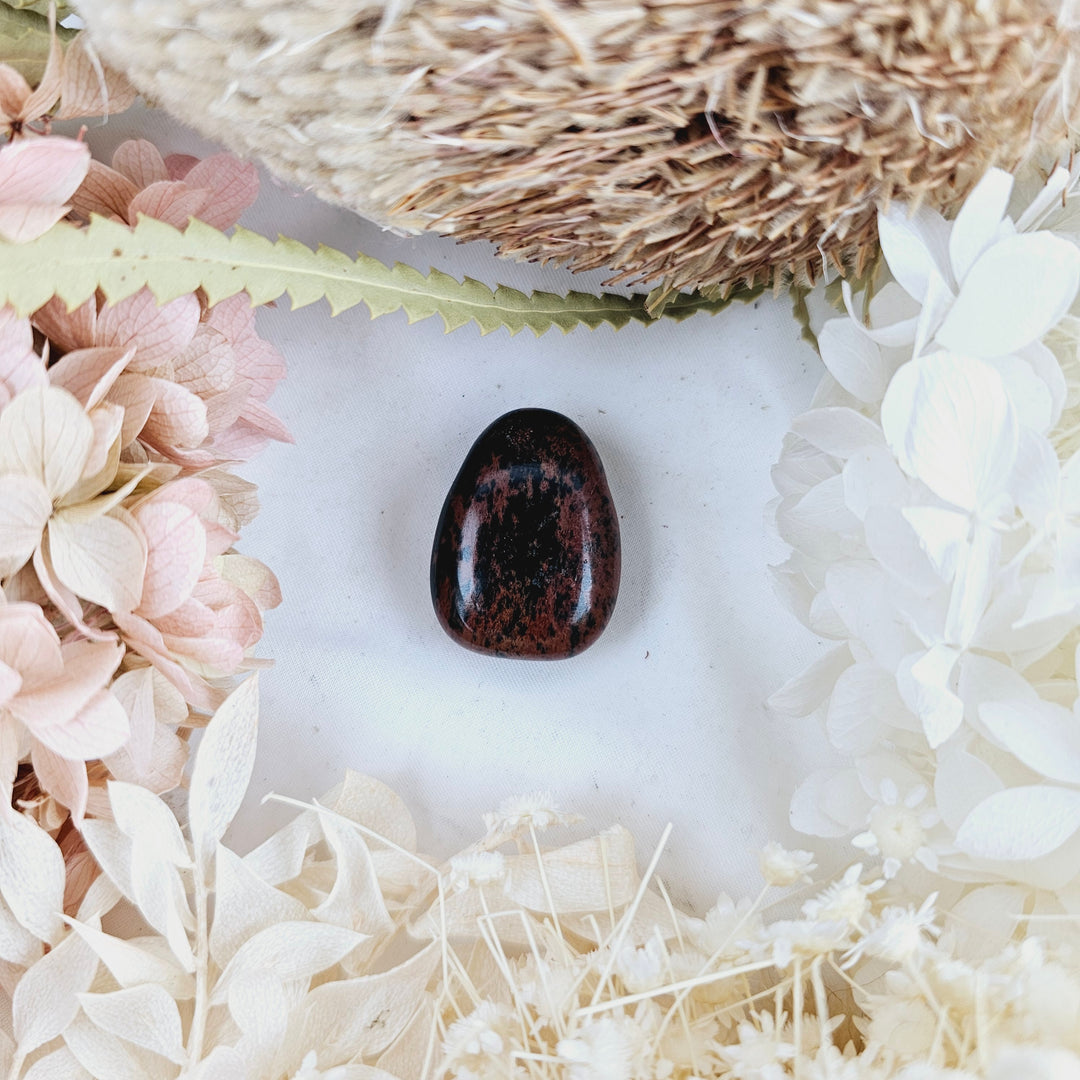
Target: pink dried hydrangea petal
<point>141,162</point>
<point>191,460</point>
<point>233,185</point>
<point>87,88</point>
<point>220,655</point>
<point>48,88</point>
<point>42,170</point>
<point>171,201</point>
<point>157,332</point>
<point>68,330</point>
<point>257,360</point>
<point>37,177</point>
<point>258,417</point>
<point>100,727</point>
<point>251,576</point>
<point>241,620</point>
<point>14,90</point>
<point>177,551</point>
<point>223,409</point>
<point>87,668</point>
<point>29,644</point>
<point>105,192</point>
<point>178,418</point>
<point>207,365</point>
<point>192,619</point>
<point>16,334</point>
<point>89,374</point>
<point>197,495</point>
<point>23,222</point>
<point>219,539</point>
<point>179,165</point>
<point>136,394</point>
<point>10,683</point>
<point>239,443</point>
<point>146,640</point>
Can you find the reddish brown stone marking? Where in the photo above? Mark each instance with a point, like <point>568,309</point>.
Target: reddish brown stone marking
<point>526,558</point>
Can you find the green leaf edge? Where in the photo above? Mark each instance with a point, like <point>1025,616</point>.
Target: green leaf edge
<point>25,40</point>
<point>73,263</point>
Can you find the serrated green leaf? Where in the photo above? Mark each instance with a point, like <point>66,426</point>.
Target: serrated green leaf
<point>24,39</point>
<point>72,263</point>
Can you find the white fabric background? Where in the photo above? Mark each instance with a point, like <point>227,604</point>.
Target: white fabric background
<point>663,718</point>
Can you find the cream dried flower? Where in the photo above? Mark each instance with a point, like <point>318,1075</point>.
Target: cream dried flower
<point>518,815</point>
<point>726,928</point>
<point>477,868</point>
<point>897,829</point>
<point>763,1050</point>
<point>607,1048</point>
<point>781,867</point>
<point>480,1046</point>
<point>847,899</point>
<point>899,934</point>
<point>789,939</point>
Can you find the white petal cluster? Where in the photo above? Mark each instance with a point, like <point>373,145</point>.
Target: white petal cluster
<point>931,497</point>
<point>333,951</point>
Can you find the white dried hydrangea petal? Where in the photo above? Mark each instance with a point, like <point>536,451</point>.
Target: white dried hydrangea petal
<point>1044,736</point>
<point>978,220</point>
<point>1020,823</point>
<point>950,423</point>
<point>1014,293</point>
<point>915,245</point>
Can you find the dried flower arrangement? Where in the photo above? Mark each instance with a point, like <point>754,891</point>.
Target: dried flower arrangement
<point>126,612</point>
<point>928,497</point>
<point>701,144</point>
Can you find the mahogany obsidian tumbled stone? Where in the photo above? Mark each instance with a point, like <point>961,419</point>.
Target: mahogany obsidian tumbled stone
<point>526,558</point>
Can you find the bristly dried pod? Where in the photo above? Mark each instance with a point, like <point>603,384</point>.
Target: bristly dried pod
<point>702,144</point>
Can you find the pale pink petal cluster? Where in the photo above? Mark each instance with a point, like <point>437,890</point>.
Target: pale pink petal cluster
<point>55,705</point>
<point>216,190</point>
<point>124,608</point>
<point>193,622</point>
<point>194,391</point>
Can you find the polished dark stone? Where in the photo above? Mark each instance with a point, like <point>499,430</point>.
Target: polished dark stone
<point>526,557</point>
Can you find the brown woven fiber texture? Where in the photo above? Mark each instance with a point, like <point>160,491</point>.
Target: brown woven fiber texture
<point>698,143</point>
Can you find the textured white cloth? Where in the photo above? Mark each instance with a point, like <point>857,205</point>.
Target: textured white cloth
<point>663,718</point>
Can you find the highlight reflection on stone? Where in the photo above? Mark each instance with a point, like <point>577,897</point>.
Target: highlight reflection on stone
<point>526,557</point>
